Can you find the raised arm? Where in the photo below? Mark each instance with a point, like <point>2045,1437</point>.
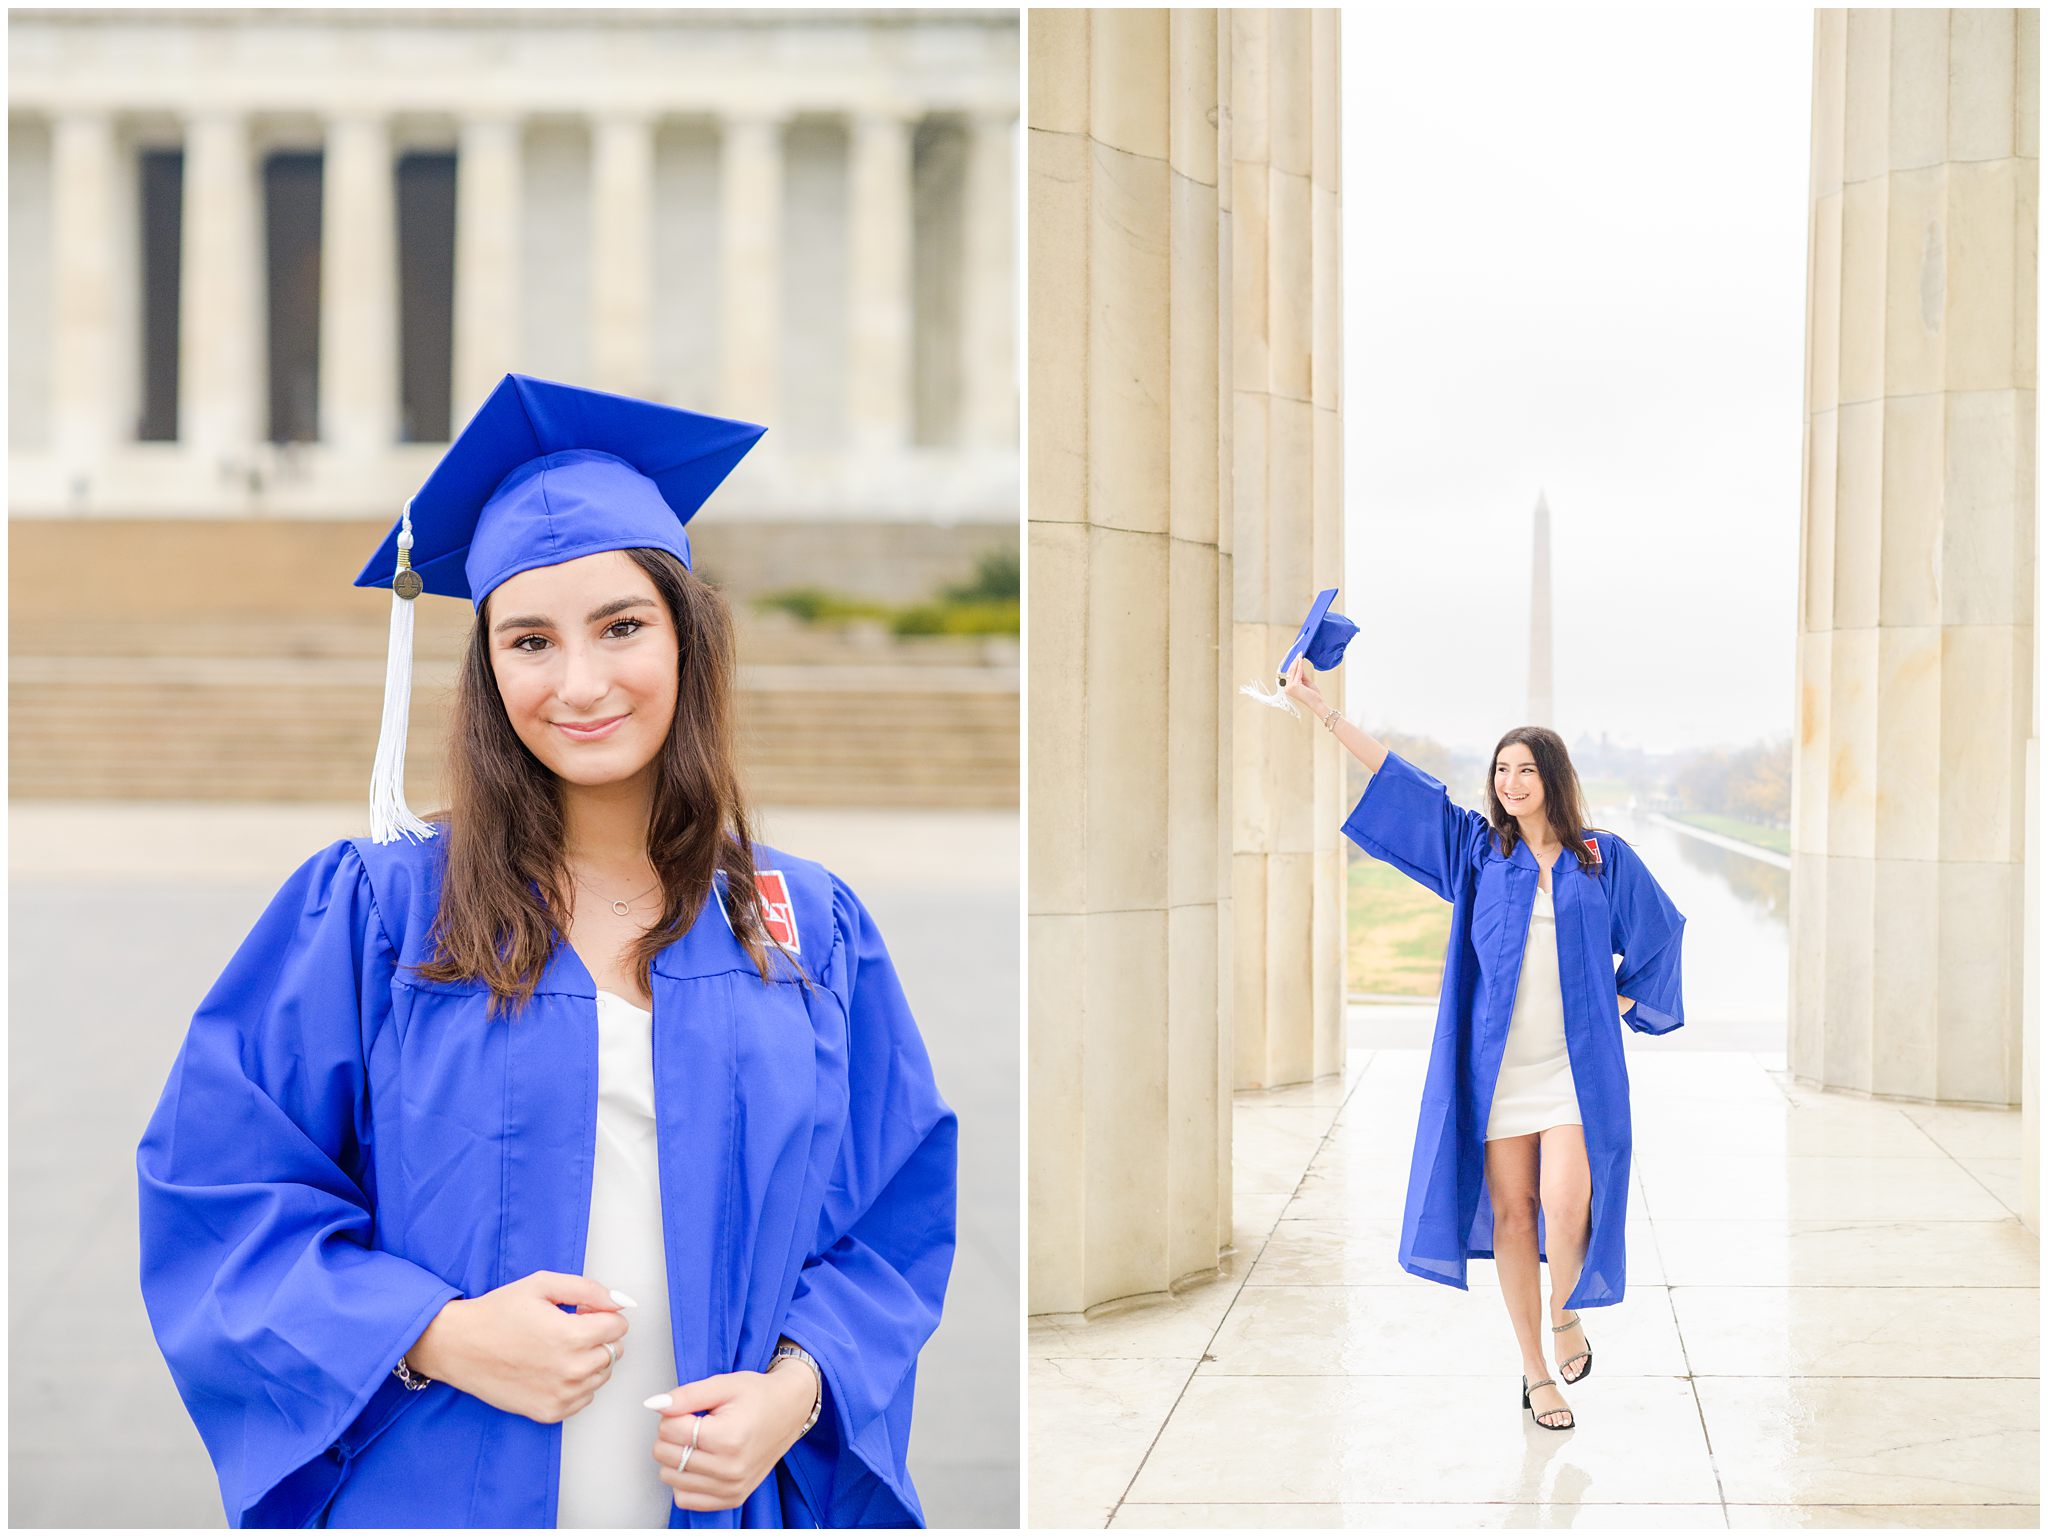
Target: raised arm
<point>1361,744</point>
<point>1405,818</point>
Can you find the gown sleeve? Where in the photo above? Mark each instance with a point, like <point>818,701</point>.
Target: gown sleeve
<point>280,1318</point>
<point>1647,935</point>
<point>869,1294</point>
<point>1408,819</point>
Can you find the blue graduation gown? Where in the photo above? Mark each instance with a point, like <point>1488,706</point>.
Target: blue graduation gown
<point>1408,819</point>
<point>342,1147</point>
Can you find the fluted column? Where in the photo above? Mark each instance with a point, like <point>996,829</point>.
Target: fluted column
<point>86,339</point>
<point>1326,843</point>
<point>1130,912</point>
<point>358,288</point>
<point>622,255</point>
<point>1917,556</point>
<point>988,304</point>
<point>1287,1019</point>
<point>1226,598</point>
<point>750,242</point>
<point>221,347</point>
<point>878,301</point>
<point>487,173</point>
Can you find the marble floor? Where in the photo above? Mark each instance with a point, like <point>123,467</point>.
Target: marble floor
<point>1832,1320</point>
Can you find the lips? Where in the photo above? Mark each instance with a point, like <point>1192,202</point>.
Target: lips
<point>588,731</point>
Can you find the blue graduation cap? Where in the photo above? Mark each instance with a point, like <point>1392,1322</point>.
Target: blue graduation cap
<point>1323,636</point>
<point>543,473</point>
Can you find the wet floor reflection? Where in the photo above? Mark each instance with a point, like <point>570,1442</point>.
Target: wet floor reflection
<point>1737,931</point>
<point>1832,1319</point>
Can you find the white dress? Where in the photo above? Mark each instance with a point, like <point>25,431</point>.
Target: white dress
<point>1535,1088</point>
<point>609,1477</point>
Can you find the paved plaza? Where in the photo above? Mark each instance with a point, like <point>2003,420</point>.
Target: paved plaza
<point>1832,1319</point>
<point>122,917</point>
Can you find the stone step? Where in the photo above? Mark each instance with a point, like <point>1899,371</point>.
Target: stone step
<point>55,715</point>
<point>149,674</point>
<point>330,777</point>
<point>442,636</point>
<point>268,728</point>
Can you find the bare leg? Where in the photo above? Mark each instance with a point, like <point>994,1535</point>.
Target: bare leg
<point>1567,1192</point>
<point>1511,1177</point>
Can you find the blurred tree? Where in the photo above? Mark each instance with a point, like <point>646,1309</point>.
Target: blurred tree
<point>998,575</point>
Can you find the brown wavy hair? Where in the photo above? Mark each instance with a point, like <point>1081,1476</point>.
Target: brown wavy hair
<point>505,875</point>
<point>1564,803</point>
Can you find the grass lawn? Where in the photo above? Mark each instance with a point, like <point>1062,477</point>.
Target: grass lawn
<point>1397,931</point>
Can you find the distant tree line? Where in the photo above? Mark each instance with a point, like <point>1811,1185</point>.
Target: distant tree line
<point>1751,783</point>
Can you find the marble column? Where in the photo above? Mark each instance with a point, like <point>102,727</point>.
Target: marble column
<point>988,305</point>
<point>878,334</point>
<point>87,358</point>
<point>487,172</point>
<point>1327,846</point>
<point>750,244</point>
<point>622,255</point>
<point>1917,556</point>
<point>358,288</point>
<point>1129,539</point>
<point>1287,875</point>
<point>221,345</point>
<point>2030,1025</point>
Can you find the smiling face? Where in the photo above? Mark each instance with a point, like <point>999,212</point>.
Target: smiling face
<point>1516,783</point>
<point>585,655</point>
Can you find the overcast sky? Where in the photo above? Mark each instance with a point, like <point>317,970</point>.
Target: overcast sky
<point>1575,262</point>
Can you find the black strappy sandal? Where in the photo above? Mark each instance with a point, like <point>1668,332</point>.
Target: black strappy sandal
<point>1586,1355</point>
<point>1529,1387</point>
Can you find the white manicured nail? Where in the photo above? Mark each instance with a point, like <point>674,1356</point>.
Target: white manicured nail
<point>623,1300</point>
<point>658,1401</point>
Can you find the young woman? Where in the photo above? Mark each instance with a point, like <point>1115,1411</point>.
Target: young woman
<point>587,1046</point>
<point>1522,1146</point>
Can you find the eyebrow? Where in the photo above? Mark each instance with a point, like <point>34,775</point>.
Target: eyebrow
<point>542,622</point>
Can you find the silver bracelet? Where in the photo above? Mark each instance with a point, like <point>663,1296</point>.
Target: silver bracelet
<point>798,1353</point>
<point>412,1379</point>
<point>1330,721</point>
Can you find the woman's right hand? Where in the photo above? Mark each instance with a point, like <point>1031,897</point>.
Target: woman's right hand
<point>517,1351</point>
<point>1298,687</point>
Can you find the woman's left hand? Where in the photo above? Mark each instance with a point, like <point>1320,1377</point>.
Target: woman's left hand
<point>742,1423</point>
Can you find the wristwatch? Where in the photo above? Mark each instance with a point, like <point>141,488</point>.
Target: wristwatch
<point>799,1353</point>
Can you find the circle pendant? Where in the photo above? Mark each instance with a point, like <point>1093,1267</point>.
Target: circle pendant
<point>621,908</point>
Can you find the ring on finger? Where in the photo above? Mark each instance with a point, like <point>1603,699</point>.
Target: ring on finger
<point>608,1345</point>
<point>696,1429</point>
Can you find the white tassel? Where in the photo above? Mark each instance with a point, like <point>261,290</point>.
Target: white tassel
<point>1273,699</point>
<point>390,817</point>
